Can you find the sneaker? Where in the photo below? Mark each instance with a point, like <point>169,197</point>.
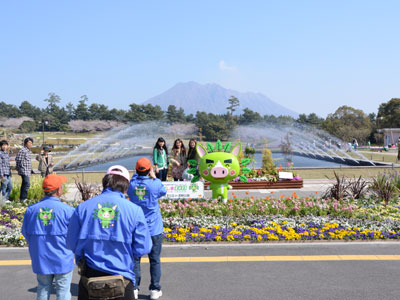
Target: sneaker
<point>136,294</point>
<point>155,294</point>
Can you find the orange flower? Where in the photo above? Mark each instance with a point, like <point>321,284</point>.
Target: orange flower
<point>252,197</point>
<point>272,192</point>
<point>189,199</point>
<point>267,197</point>
<point>247,193</point>
<point>230,200</point>
<point>307,198</point>
<point>288,197</point>
<point>233,193</point>
<point>316,193</point>
<point>234,197</point>
<point>282,196</point>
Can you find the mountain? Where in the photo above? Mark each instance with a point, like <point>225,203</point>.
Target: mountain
<point>213,98</point>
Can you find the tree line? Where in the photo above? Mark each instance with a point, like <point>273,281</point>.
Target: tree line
<point>346,123</point>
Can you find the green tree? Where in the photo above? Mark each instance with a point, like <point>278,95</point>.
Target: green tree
<point>389,114</point>
<point>249,117</point>
<point>348,123</point>
<point>28,126</point>
<point>81,111</point>
<point>30,110</point>
<point>233,103</point>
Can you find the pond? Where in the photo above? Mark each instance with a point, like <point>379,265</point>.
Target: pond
<point>298,161</point>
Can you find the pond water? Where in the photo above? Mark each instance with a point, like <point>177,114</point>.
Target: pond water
<point>298,161</point>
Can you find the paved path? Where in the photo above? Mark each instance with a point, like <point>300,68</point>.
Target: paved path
<point>365,271</point>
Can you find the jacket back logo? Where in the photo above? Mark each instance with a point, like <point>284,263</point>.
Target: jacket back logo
<point>140,192</point>
<point>45,215</point>
<point>106,213</point>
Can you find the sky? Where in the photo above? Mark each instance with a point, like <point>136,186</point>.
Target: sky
<point>310,56</point>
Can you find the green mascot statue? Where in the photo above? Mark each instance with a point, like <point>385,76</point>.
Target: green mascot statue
<point>219,165</point>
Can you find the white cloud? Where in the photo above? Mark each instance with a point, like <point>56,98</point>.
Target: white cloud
<point>223,66</point>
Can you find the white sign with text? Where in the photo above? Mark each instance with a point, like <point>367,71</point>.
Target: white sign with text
<point>183,189</point>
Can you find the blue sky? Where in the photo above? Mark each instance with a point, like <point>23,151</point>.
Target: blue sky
<point>310,56</point>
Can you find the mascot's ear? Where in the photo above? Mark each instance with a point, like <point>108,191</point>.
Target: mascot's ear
<point>236,150</point>
<point>200,150</point>
<point>99,206</point>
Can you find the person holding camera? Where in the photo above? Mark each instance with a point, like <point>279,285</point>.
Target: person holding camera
<point>45,160</point>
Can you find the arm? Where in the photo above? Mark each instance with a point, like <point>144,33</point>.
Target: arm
<point>141,242</point>
<point>162,191</point>
<point>155,156</point>
<point>74,229</point>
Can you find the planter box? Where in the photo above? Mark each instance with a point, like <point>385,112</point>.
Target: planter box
<point>284,184</point>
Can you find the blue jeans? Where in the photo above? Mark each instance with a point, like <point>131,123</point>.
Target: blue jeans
<point>162,174</point>
<point>6,186</point>
<point>63,286</point>
<point>24,187</point>
<point>155,264</point>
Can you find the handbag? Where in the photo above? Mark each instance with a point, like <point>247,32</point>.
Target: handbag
<point>103,287</point>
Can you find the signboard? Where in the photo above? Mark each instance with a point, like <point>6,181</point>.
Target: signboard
<point>183,189</point>
<point>285,175</point>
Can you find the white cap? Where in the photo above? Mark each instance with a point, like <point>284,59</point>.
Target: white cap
<point>119,170</point>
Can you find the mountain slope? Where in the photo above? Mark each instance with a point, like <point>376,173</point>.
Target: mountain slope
<point>193,97</point>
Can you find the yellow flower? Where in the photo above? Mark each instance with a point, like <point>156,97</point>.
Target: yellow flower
<point>217,238</point>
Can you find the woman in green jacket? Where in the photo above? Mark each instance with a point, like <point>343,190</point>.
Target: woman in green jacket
<point>160,159</point>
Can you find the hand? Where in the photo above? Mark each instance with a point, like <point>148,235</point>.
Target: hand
<point>151,173</point>
<point>157,170</point>
<point>178,164</point>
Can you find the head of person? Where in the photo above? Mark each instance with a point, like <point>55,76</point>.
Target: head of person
<point>192,144</point>
<point>161,144</point>
<point>46,150</point>
<point>116,178</point>
<point>143,166</point>
<point>28,142</point>
<point>53,185</point>
<point>178,144</point>
<point>4,145</point>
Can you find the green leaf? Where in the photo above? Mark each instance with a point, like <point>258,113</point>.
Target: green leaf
<point>219,145</point>
<point>192,162</point>
<point>243,178</point>
<point>210,147</point>
<point>192,171</point>
<point>245,161</point>
<point>227,147</point>
<point>195,179</point>
<point>246,170</point>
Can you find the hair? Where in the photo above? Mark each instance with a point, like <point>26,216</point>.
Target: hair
<point>157,146</point>
<point>143,173</point>
<point>115,182</point>
<point>192,151</point>
<point>49,194</point>
<point>175,147</point>
<point>3,142</point>
<point>27,140</point>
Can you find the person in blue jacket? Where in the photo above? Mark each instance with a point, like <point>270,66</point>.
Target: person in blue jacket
<point>45,228</point>
<point>109,231</point>
<point>145,191</point>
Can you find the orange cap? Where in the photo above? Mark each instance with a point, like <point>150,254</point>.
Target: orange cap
<point>53,182</point>
<point>143,164</point>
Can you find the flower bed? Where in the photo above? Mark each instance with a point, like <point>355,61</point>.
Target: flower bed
<point>254,220</point>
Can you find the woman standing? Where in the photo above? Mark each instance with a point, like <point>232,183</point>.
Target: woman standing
<point>192,153</point>
<point>160,159</point>
<point>178,160</point>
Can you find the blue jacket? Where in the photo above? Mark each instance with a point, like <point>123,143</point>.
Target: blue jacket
<point>145,192</point>
<point>110,231</point>
<point>45,228</point>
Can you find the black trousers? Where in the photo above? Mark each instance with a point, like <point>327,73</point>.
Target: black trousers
<point>89,272</point>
